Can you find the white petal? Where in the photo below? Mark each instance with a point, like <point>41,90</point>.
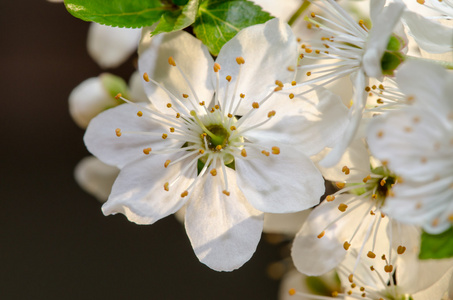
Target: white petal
<point>268,49</point>
<point>101,140</point>
<point>87,100</point>
<point>189,54</point>
<point>312,122</point>
<point>139,192</point>
<point>356,111</point>
<point>283,183</point>
<point>223,230</point>
<point>95,177</point>
<point>379,36</point>
<point>285,223</point>
<point>430,35</point>
<point>136,88</point>
<point>111,46</point>
<point>279,9</point>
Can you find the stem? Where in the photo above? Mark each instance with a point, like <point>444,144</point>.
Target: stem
<point>445,64</point>
<point>298,12</point>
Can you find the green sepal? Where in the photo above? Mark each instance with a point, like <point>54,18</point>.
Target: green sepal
<point>121,13</point>
<point>390,61</point>
<point>218,21</point>
<point>179,19</point>
<point>436,246</point>
<point>114,85</point>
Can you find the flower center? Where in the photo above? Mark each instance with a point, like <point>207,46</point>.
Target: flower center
<point>217,135</point>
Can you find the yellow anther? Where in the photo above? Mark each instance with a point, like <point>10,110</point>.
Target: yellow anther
<point>351,278</point>
<point>275,150</point>
<point>178,115</point>
<point>450,218</point>
<point>381,87</point>
<point>421,2</point>
<point>342,207</point>
<point>203,135</point>
<point>201,151</point>
<point>372,213</point>
<point>164,136</point>
<point>371,268</point>
<point>226,192</point>
<point>118,132</point>
<point>308,50</point>
<point>184,194</point>
<point>374,196</point>
<point>166,186</point>
<point>346,246</point>
<point>309,25</point>
<point>216,106</point>
<point>140,113</point>
<point>118,96</point>
<point>382,183</point>
<point>330,198</point>
<point>255,105</point>
<point>290,68</point>
<point>168,105</point>
<point>388,268</point>
<point>303,46</point>
<point>242,95</point>
<point>292,292</point>
<point>345,170</point>
<point>147,151</point>
<point>244,153</point>
<point>167,162</point>
<point>383,257</point>
<point>382,215</point>
<point>218,147</point>
<point>334,294</point>
<point>228,78</point>
<point>380,101</point>
<point>171,61</point>
<point>279,88</point>
<point>146,77</point>
<point>230,116</point>
<point>364,295</point>
<point>349,292</point>
<point>366,179</point>
<point>265,152</point>
<point>172,129</point>
<point>185,96</point>
<point>201,103</point>
<point>401,249</point>
<point>271,114</point>
<point>232,128</point>
<point>353,285</point>
<point>213,172</point>
<point>291,96</point>
<point>340,185</point>
<point>317,51</point>
<point>367,89</point>
<point>240,60</point>
<point>301,56</point>
<point>293,83</point>
<point>216,67</point>
<point>321,234</point>
<point>312,15</point>
<point>371,254</point>
<point>308,73</point>
<point>279,83</point>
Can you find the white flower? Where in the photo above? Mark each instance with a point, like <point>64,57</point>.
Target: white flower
<point>183,152</point>
<point>416,142</point>
<point>349,48</point>
<point>111,46</point>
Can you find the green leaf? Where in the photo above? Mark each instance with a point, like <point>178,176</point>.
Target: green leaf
<point>437,245</point>
<point>121,13</point>
<point>220,20</point>
<point>177,20</point>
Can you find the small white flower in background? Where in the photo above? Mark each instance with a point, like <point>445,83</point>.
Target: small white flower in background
<point>111,46</point>
<point>416,142</point>
<point>349,48</point>
<point>191,149</point>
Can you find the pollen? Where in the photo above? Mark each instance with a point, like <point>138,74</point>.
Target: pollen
<point>366,179</point>
<point>291,96</point>
<point>371,254</point>
<point>401,249</point>
<point>201,151</point>
<point>118,132</point>
<point>185,96</point>
<point>213,172</point>
<point>164,136</point>
<point>178,115</point>
<point>342,207</point>
<point>379,101</point>
<point>345,170</point>
<point>293,83</point>
<point>271,114</point>
<point>290,68</point>
<point>171,61</point>
<point>275,150</point>
<point>351,278</point>
<point>167,162</point>
<point>201,103</point>
<point>184,194</point>
<point>147,151</point>
<point>216,106</point>
<point>218,147</point>
<point>346,246</point>
<point>308,73</point>
<point>146,77</point>
<point>140,113</point>
<point>240,60</point>
<point>166,186</point>
<point>382,183</point>
<point>334,294</point>
<point>367,89</point>
<point>233,128</point>
<point>279,88</point>
<point>172,129</point>
<point>228,78</point>
<point>421,2</point>
<point>242,95</point>
<point>312,15</point>
<point>216,67</point>
<point>226,192</point>
<point>118,96</point>
<point>255,105</point>
<point>321,234</point>
<point>301,56</point>
<point>292,292</point>
<point>330,198</point>
<point>340,185</point>
<point>168,105</point>
<point>265,152</point>
<point>388,268</point>
<point>244,153</point>
<point>308,50</point>
<point>279,83</point>
<point>353,285</point>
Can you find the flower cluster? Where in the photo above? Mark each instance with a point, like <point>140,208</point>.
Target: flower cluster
<point>239,143</point>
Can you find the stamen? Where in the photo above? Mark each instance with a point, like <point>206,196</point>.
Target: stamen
<point>171,61</point>
<point>140,113</point>
<point>147,151</point>
<point>275,150</point>
<point>118,132</point>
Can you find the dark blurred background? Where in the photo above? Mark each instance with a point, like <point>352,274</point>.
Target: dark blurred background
<point>54,241</point>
